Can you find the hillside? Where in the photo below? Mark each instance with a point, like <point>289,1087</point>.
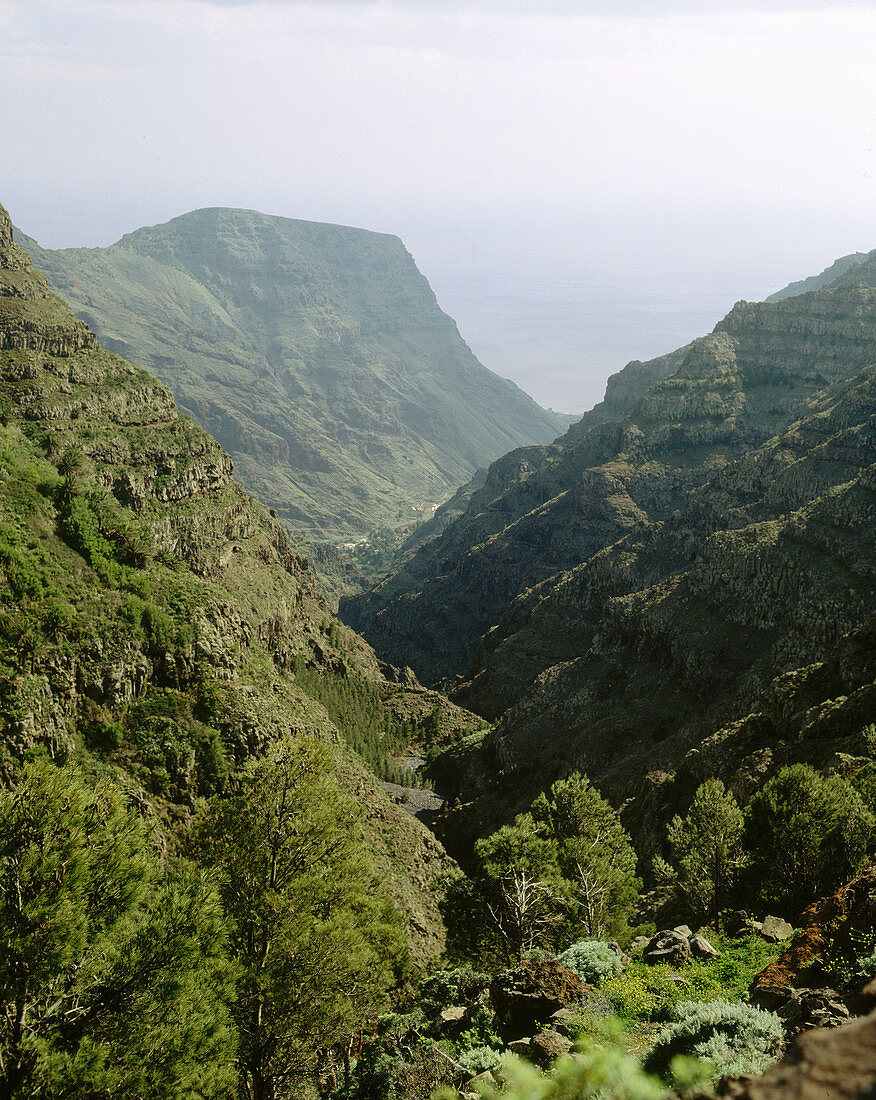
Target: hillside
<point>155,624</point>
<point>665,428</point>
<point>315,354</point>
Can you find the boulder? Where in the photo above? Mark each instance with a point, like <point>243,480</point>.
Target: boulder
<point>776,930</point>
<point>683,930</point>
<point>700,948</point>
<point>639,941</point>
<point>739,923</point>
<point>527,996</point>
<point>802,1009</point>
<point>668,946</point>
<point>549,1045</point>
<point>521,1047</point>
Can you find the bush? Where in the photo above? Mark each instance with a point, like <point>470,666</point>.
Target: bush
<point>734,1037</point>
<point>592,960</point>
<point>821,829</point>
<point>478,1059</point>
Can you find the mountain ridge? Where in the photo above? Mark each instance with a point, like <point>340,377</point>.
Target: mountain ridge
<point>316,354</point>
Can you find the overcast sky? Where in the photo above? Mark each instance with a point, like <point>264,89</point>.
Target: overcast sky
<point>615,129</point>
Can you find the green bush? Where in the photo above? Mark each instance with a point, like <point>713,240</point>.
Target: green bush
<point>820,828</point>
<point>478,1059</point>
<point>592,960</point>
<point>735,1038</point>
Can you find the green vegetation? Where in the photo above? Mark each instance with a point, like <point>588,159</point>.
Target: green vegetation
<point>818,826</point>
<point>356,707</point>
<point>707,848</point>
<point>114,976</point>
<point>566,866</point>
<point>315,941</point>
<point>592,960</point>
<point>733,1038</point>
<point>315,353</point>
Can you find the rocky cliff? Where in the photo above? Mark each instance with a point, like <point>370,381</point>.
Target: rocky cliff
<point>154,620</point>
<point>316,355</point>
<point>665,429</point>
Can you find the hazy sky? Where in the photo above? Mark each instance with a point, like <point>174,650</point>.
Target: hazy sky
<point>557,134</point>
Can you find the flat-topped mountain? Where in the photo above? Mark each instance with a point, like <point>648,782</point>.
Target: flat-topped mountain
<point>316,355</point>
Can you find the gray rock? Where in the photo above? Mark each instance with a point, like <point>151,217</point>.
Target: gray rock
<point>453,1014</point>
<point>521,1047</point>
<point>701,948</point>
<point>548,1045</point>
<point>683,930</point>
<point>669,947</point>
<point>775,930</point>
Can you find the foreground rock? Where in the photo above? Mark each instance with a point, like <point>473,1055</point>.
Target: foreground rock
<point>837,1064</point>
<point>528,996</point>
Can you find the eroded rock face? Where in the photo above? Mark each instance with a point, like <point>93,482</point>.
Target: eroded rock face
<point>838,921</point>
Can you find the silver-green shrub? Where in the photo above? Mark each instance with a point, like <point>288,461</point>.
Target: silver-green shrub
<point>733,1037</point>
<point>592,960</point>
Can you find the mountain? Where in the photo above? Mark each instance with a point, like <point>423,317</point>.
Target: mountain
<point>665,428</point>
<point>679,587</point>
<point>825,278</point>
<point>154,621</point>
<point>315,354</point>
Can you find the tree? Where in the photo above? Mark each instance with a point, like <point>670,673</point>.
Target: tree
<point>594,855</point>
<point>317,943</point>
<point>565,867</point>
<point>806,834</point>
<point>112,975</point>
<point>707,848</point>
<point>519,884</point>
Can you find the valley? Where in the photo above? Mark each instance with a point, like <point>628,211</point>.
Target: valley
<point>594,764</point>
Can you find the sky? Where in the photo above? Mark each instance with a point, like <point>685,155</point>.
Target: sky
<point>543,161</point>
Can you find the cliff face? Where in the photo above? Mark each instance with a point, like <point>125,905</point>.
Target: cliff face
<point>152,615</point>
<point>316,355</point>
<point>746,612</point>
<point>669,427</point>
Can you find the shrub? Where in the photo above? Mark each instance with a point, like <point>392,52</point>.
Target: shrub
<point>592,960</point>
<point>734,1037</point>
<point>820,828</point>
<point>478,1059</point>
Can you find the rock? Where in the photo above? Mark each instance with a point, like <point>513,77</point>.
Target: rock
<point>668,946</point>
<point>639,942</point>
<point>700,948</point>
<point>561,1020</point>
<point>451,1019</point>
<point>839,920</point>
<point>528,995</point>
<point>775,930</point>
<point>739,923</point>
<point>521,1047</point>
<point>838,1064</point>
<point>802,1009</point>
<point>683,930</point>
<point>549,1045</point>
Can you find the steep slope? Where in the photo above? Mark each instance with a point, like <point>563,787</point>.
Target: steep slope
<point>668,427</point>
<point>729,616</point>
<point>153,618</point>
<point>316,354</point>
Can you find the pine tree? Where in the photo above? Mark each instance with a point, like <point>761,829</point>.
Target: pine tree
<point>317,944</point>
<point>707,848</point>
<point>112,975</point>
